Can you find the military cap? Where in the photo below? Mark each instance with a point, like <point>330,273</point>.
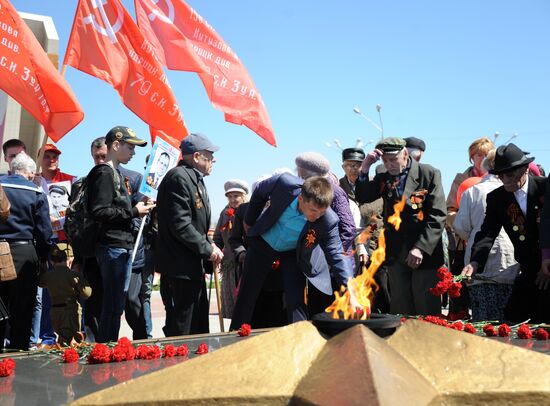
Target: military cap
<point>391,145</point>
<point>353,154</point>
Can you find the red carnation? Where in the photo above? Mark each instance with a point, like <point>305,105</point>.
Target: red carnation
<point>182,351</point>
<point>469,328</point>
<point>489,330</point>
<point>457,325</point>
<point>244,330</point>
<point>169,351</point>
<point>124,342</point>
<point>524,332</point>
<point>443,273</point>
<point>148,352</point>
<point>460,315</point>
<point>436,320</point>
<point>100,354</point>
<point>541,334</point>
<point>203,349</point>
<point>504,330</point>
<point>230,212</point>
<point>454,289</point>
<point>7,366</point>
<point>70,355</point>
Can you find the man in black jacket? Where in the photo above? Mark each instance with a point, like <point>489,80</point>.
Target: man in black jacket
<point>414,251</point>
<point>110,206</point>
<point>184,252</point>
<point>516,206</point>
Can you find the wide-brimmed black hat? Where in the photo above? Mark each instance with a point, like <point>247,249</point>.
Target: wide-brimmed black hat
<point>353,154</point>
<point>509,157</point>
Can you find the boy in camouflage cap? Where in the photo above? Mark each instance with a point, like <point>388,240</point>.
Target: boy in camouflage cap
<point>66,287</point>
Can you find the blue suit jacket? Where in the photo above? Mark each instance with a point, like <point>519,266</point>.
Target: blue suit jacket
<point>319,251</point>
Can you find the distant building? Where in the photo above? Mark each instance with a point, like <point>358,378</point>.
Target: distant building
<point>16,122</point>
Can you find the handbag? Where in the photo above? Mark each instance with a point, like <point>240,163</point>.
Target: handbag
<point>7,267</point>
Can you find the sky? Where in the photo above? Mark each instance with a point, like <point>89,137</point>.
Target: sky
<point>447,72</point>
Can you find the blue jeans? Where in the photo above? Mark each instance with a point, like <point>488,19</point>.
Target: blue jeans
<point>115,266</point>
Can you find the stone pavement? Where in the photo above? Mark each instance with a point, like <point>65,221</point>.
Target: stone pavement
<point>158,315</point>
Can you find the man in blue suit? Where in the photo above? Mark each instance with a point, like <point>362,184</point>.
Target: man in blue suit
<point>298,235</point>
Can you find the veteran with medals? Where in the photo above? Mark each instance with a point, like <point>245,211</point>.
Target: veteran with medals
<point>414,251</point>
<point>517,206</point>
<point>184,252</point>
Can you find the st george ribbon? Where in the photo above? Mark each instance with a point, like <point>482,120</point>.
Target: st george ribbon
<point>183,40</point>
<point>28,75</point>
<point>106,43</point>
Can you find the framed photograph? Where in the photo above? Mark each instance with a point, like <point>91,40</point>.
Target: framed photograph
<point>163,158</point>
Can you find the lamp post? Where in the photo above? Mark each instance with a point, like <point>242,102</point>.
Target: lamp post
<point>357,111</point>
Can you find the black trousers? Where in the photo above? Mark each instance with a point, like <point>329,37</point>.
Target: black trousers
<point>92,306</point>
<point>257,266</point>
<point>528,302</point>
<point>190,312</point>
<point>19,296</point>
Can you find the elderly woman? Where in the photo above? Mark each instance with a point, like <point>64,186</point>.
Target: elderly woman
<point>236,191</point>
<point>489,296</point>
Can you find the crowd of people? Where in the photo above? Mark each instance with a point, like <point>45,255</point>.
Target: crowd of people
<point>283,245</point>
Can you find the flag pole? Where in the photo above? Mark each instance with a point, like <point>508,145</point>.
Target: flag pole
<point>218,295</point>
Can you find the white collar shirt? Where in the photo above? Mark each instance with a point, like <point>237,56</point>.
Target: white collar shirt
<point>521,197</point>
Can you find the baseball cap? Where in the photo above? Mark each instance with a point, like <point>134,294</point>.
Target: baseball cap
<point>125,134</point>
<point>196,142</point>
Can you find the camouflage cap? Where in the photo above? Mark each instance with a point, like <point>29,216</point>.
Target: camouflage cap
<point>391,145</point>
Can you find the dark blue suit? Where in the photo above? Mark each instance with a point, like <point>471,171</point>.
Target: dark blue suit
<point>315,258</point>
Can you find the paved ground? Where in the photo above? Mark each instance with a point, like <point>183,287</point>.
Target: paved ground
<point>158,314</point>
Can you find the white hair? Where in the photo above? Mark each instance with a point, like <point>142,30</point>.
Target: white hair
<point>415,153</point>
<point>23,164</point>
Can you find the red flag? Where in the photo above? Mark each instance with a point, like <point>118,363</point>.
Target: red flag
<point>183,40</point>
<point>29,77</point>
<point>161,134</point>
<point>106,43</point>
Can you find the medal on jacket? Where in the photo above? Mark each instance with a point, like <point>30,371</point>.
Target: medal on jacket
<point>310,238</point>
<point>517,219</point>
<point>127,184</point>
<point>198,200</point>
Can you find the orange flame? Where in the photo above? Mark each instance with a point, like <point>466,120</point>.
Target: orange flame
<point>355,301</point>
<point>395,218</point>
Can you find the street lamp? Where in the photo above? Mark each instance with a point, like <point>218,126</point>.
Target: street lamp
<point>357,111</point>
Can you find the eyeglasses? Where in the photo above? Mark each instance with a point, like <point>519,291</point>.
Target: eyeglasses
<point>352,165</point>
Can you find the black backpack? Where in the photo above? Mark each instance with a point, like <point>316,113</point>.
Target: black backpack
<point>80,228</point>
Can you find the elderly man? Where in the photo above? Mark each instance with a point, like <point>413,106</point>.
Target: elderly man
<point>184,251</point>
<point>28,231</point>
<point>516,206</point>
<point>414,251</point>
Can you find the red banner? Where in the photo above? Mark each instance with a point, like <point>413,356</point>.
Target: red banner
<point>183,40</point>
<point>175,142</point>
<point>107,44</point>
<point>28,75</point>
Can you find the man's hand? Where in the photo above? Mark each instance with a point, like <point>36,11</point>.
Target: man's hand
<point>414,259</point>
<point>545,267</point>
<point>217,255</point>
<point>542,281</point>
<point>144,208</point>
<point>470,269</point>
<point>371,158</point>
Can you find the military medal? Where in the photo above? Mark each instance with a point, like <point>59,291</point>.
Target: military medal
<point>414,206</point>
<point>522,238</point>
<point>198,201</point>
<point>515,228</point>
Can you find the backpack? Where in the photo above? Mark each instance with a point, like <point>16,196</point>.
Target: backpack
<point>80,227</point>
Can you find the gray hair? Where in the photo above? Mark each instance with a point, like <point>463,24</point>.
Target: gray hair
<point>415,153</point>
<point>23,164</point>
